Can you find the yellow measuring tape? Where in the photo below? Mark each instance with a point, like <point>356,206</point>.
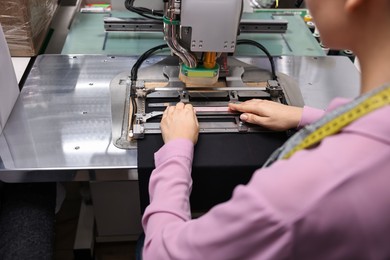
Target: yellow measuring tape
<point>334,126</point>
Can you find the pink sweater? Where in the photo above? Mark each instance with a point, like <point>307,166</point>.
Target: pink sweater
<point>328,202</point>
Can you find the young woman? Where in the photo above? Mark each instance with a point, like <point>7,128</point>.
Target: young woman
<point>327,193</point>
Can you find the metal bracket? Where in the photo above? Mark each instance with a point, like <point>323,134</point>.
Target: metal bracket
<point>241,126</point>
<point>151,115</point>
<point>274,89</point>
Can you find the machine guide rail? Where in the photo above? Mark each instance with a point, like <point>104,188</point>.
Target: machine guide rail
<point>116,24</point>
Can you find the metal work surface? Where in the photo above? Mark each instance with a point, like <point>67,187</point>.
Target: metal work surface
<point>62,120</point>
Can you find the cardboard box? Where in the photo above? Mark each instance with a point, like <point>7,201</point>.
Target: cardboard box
<point>25,24</point>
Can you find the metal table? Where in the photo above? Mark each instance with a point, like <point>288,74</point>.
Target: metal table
<point>60,127</point>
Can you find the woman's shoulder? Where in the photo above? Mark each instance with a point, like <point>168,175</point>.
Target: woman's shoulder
<point>374,125</point>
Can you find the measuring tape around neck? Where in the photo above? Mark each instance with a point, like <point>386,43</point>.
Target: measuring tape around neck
<point>334,126</point>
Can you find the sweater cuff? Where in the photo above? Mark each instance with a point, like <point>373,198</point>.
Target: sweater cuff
<point>174,148</point>
<point>310,115</point>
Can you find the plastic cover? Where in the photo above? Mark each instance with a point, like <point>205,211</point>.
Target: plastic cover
<point>25,24</point>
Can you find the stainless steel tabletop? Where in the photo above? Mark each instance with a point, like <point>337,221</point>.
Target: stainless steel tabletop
<point>60,127</point>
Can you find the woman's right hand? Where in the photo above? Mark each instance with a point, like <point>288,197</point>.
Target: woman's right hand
<point>269,114</point>
<point>179,121</point>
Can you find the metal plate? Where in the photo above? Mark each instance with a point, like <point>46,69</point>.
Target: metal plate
<point>62,119</point>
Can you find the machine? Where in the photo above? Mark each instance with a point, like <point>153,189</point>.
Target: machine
<point>202,70</point>
<point>198,42</point>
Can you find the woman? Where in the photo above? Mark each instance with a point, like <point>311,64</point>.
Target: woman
<point>324,197</point>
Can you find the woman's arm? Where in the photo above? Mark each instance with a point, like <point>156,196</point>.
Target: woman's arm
<point>242,228</point>
<point>274,115</point>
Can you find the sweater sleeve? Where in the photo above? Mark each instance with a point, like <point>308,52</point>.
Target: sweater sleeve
<point>169,188</point>
<point>229,229</point>
<point>310,115</point>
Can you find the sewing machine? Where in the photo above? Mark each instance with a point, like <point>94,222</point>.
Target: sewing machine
<point>202,71</point>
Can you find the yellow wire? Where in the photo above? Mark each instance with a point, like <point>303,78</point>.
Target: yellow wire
<point>277,4</point>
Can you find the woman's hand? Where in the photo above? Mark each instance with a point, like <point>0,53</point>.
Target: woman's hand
<point>269,114</point>
<point>179,122</point>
